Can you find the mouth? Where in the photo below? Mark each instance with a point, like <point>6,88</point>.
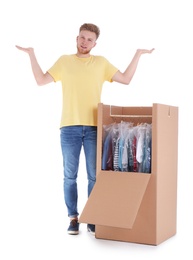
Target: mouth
<point>83,47</point>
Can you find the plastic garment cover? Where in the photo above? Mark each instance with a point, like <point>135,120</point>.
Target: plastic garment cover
<point>127,148</point>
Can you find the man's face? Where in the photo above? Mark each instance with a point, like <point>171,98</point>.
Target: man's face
<point>85,42</point>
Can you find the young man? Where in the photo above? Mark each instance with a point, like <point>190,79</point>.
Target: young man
<point>82,76</point>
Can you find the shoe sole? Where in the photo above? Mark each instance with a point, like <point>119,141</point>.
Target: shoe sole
<point>90,231</point>
<point>73,232</point>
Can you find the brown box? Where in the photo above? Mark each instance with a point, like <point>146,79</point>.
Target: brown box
<point>132,206</point>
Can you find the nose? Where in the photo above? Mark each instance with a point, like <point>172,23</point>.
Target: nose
<point>84,41</point>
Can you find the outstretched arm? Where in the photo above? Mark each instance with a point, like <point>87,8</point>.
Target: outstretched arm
<point>40,77</point>
<point>127,76</point>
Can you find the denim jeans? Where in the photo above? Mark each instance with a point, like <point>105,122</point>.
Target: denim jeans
<point>72,139</point>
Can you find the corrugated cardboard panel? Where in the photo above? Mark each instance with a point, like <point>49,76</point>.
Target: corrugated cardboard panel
<point>165,157</point>
<point>115,199</point>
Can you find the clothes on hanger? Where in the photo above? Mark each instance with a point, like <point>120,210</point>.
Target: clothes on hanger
<point>127,148</point>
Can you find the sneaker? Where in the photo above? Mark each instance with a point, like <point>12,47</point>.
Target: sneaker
<point>73,229</point>
<point>91,228</point>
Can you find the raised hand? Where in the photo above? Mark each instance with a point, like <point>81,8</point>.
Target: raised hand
<point>142,51</point>
<point>27,50</point>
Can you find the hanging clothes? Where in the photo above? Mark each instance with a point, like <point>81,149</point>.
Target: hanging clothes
<point>127,148</point>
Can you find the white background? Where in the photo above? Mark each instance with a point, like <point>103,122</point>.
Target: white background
<point>33,217</point>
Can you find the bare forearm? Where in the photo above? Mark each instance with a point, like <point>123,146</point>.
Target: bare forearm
<point>131,69</point>
<point>36,69</point>
<point>39,76</point>
<point>128,74</point>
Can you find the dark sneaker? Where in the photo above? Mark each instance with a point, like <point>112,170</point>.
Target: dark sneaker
<point>73,229</point>
<point>91,228</point>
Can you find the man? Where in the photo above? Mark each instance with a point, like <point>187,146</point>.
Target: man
<point>82,76</point>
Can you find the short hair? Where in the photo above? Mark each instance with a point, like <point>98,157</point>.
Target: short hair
<point>90,27</point>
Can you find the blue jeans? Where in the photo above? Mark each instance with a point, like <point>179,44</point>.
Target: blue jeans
<point>72,139</point>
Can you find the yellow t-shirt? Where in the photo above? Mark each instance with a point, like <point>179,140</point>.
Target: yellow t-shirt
<point>82,80</point>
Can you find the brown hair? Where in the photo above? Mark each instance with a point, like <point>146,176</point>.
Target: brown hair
<point>90,27</point>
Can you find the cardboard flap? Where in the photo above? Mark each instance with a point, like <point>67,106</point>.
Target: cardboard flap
<point>115,199</point>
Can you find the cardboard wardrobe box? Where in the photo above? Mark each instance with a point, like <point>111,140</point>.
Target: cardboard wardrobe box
<point>132,206</point>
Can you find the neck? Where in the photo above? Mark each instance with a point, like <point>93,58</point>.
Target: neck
<point>83,55</point>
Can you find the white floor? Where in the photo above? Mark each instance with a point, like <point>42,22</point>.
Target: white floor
<point>34,222</point>
<point>47,239</point>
